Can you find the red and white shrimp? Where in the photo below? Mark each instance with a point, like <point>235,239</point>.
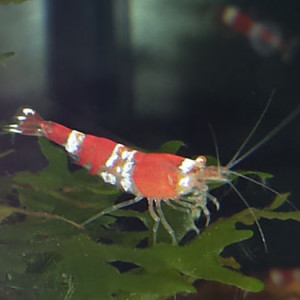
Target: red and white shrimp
<point>177,181</point>
<point>265,37</point>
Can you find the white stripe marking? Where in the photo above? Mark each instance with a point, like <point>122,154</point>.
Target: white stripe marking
<point>126,175</point>
<point>187,165</point>
<point>21,118</point>
<point>127,168</point>
<point>74,142</point>
<point>15,130</point>
<point>13,126</point>
<point>28,111</point>
<point>114,157</point>
<point>126,183</point>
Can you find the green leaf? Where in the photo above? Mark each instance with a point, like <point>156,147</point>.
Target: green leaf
<point>279,201</point>
<point>5,188</point>
<point>261,175</point>
<point>6,55</point>
<point>283,216</point>
<point>246,217</point>
<point>57,159</point>
<point>200,259</point>
<point>12,1</point>
<point>171,147</point>
<point>5,211</point>
<point>211,161</point>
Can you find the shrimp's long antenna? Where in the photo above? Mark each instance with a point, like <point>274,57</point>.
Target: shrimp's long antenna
<point>262,185</point>
<point>216,146</point>
<point>281,125</point>
<point>263,238</point>
<point>234,159</point>
<point>254,181</point>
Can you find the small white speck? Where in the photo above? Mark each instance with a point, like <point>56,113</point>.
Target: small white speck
<point>131,155</point>
<point>21,118</point>
<point>109,178</point>
<point>28,111</point>
<point>125,154</point>
<point>185,181</point>
<point>128,167</point>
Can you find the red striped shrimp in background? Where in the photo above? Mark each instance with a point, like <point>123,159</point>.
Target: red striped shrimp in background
<point>181,183</point>
<point>265,37</point>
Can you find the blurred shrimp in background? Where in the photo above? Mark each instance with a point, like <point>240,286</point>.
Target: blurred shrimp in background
<point>265,37</point>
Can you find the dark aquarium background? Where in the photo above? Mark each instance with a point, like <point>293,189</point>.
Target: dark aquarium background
<point>145,72</point>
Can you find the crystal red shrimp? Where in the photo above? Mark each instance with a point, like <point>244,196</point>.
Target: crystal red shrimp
<point>154,176</point>
<point>180,182</point>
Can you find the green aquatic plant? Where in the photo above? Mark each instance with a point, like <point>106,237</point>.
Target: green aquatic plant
<point>4,56</point>
<point>46,254</point>
<point>12,1</point>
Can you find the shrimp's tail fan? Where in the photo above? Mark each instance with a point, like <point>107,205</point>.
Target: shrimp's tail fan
<point>27,122</point>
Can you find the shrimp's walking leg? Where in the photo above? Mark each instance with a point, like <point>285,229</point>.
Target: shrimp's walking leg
<point>214,200</point>
<point>165,223</point>
<point>155,218</point>
<point>111,209</point>
<point>206,213</point>
<point>190,207</point>
<point>200,202</point>
<point>183,209</point>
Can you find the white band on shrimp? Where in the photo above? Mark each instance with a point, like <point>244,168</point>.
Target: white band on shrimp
<point>114,157</point>
<point>74,142</point>
<point>127,170</point>
<point>187,165</point>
